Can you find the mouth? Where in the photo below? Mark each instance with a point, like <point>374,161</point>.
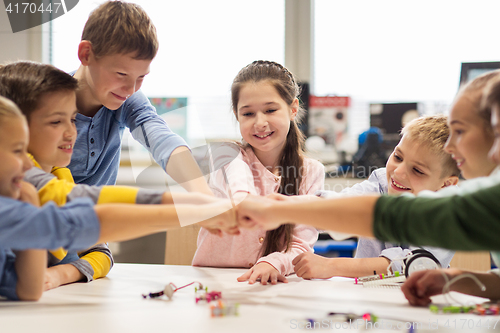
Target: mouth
<point>66,148</point>
<point>398,186</point>
<point>17,181</point>
<point>459,161</point>
<point>121,98</point>
<point>263,136</point>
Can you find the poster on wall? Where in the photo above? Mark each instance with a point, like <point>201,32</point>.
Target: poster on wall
<point>328,118</point>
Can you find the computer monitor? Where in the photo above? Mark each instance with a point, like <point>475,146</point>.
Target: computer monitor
<point>471,70</point>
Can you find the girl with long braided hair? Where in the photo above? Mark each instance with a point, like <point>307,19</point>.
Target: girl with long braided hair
<point>269,160</point>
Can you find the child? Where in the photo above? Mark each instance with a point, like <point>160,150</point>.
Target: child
<point>118,44</point>
<point>264,99</point>
<point>468,215</point>
<point>417,163</point>
<point>74,226</point>
<point>46,96</point>
<point>21,271</point>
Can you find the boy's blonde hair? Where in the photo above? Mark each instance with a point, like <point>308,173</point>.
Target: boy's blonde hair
<point>118,27</point>
<point>432,132</point>
<point>9,109</point>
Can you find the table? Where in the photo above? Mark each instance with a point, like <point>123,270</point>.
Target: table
<point>114,304</point>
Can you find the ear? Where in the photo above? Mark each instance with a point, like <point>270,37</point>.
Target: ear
<point>85,52</point>
<point>453,180</point>
<point>294,109</point>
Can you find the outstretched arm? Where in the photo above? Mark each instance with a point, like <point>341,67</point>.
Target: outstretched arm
<point>184,170</point>
<point>312,266</point>
<point>350,215</point>
<point>123,222</point>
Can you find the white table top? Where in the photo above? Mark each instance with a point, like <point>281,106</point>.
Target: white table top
<point>115,304</point>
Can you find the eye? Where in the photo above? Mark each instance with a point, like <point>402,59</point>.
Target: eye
<point>271,110</point>
<point>247,114</point>
<point>73,120</point>
<point>57,122</point>
<point>121,74</point>
<point>397,158</point>
<point>458,131</point>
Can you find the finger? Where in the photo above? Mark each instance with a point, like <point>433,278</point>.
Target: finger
<point>245,276</point>
<point>296,260</point>
<point>282,278</point>
<point>264,278</point>
<point>254,277</point>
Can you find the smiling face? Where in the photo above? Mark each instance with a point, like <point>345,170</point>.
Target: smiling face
<point>111,79</point>
<point>413,167</point>
<point>52,129</point>
<point>264,119</point>
<point>13,145</point>
<point>470,140</point>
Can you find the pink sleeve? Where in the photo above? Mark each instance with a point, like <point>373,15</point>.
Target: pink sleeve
<point>303,237</point>
<point>303,240</point>
<point>238,178</point>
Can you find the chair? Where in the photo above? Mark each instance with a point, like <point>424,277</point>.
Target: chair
<point>181,245</point>
<point>471,261</point>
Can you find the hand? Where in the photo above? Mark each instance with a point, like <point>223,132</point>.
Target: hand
<point>263,271</point>
<point>308,265</point>
<point>56,276</point>
<point>253,213</point>
<point>224,221</point>
<point>421,285</point>
<point>29,194</point>
<point>53,278</point>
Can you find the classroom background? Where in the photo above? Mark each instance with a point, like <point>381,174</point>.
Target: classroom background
<point>361,65</point>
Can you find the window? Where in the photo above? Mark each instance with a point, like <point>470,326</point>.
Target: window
<point>203,45</point>
<point>399,51</point>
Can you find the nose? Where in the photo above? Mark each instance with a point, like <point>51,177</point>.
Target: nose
<point>70,132</point>
<point>449,145</point>
<point>400,171</point>
<point>130,88</point>
<point>26,163</point>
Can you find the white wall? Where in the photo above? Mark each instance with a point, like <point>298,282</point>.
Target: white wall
<point>23,45</point>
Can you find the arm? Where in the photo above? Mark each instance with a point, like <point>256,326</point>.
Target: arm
<point>185,171</point>
<point>120,222</point>
<point>30,269</point>
<point>167,148</point>
<point>60,188</point>
<point>30,264</point>
<point>313,266</point>
<point>94,263</point>
<point>348,215</point>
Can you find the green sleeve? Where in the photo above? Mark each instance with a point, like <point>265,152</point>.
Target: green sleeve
<point>460,222</point>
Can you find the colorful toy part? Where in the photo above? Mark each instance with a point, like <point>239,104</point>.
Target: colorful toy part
<point>221,309</point>
<point>209,296</point>
<point>485,309</point>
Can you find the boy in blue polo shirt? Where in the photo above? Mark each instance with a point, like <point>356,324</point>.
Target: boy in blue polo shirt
<point>118,44</point>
